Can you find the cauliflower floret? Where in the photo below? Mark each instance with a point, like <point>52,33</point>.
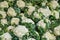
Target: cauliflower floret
<point>54,4</point>
<point>10,28</point>
<point>4,21</point>
<point>20,31</point>
<point>49,36</point>
<point>36,15</point>
<point>57,30</point>
<point>42,24</point>
<point>15,21</point>
<point>20,3</point>
<point>3,13</point>
<point>27,20</point>
<point>11,12</point>
<point>30,10</point>
<point>4,4</point>
<point>45,11</point>
<point>6,36</point>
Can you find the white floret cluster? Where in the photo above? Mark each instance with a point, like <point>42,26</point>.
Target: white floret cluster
<point>49,36</point>
<point>6,36</point>
<point>20,30</point>
<point>29,20</point>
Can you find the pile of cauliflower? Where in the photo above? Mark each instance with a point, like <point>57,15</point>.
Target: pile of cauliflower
<point>29,20</point>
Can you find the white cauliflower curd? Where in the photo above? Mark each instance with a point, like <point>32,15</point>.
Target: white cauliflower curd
<point>20,31</point>
<point>4,21</point>
<point>11,12</point>
<point>36,15</point>
<point>27,20</point>
<point>4,4</point>
<point>6,36</point>
<point>15,21</point>
<point>3,13</point>
<point>42,24</point>
<point>57,30</point>
<point>30,10</point>
<point>49,36</point>
<point>20,3</point>
<point>10,28</point>
<point>45,11</point>
<point>54,4</point>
